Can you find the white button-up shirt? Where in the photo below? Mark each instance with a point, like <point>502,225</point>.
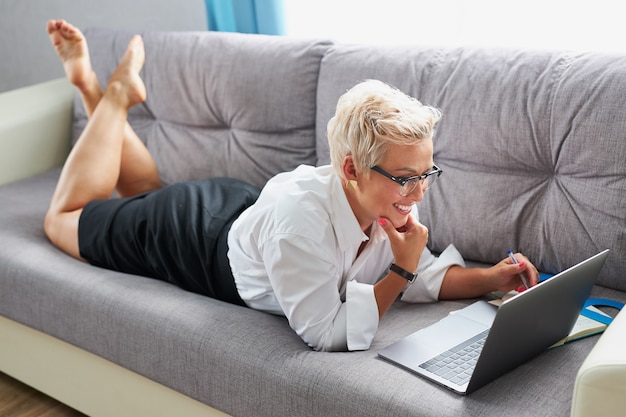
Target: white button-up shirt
<point>294,253</point>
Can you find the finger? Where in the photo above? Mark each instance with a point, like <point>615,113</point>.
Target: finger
<point>531,273</point>
<point>386,225</point>
<point>390,228</point>
<point>410,225</point>
<point>527,273</point>
<point>411,222</point>
<point>526,267</point>
<point>519,258</point>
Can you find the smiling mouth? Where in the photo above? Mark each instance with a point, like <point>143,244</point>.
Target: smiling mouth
<point>402,208</point>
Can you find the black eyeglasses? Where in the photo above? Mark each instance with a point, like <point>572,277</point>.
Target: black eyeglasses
<point>408,184</point>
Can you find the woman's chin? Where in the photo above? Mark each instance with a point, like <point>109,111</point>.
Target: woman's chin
<point>400,224</point>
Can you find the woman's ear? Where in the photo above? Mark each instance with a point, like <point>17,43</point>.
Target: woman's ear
<point>348,169</point>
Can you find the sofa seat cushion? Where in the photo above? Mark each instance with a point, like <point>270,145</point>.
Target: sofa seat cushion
<point>235,359</point>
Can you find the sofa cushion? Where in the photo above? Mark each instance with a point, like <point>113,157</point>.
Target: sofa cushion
<point>219,104</point>
<point>241,361</point>
<point>532,145</point>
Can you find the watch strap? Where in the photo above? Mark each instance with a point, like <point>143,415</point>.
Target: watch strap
<point>403,273</point>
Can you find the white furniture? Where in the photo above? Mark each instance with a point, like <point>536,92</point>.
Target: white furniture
<point>600,388</point>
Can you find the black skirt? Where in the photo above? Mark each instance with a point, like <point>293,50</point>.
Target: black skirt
<point>176,234</point>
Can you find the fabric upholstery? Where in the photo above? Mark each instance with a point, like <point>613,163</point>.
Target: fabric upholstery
<point>532,145</point>
<point>220,104</point>
<point>241,361</point>
<point>533,152</point>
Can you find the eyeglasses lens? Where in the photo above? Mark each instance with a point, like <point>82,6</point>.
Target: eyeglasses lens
<point>425,183</point>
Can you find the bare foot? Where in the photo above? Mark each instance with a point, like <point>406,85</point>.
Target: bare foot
<point>125,83</point>
<point>71,47</point>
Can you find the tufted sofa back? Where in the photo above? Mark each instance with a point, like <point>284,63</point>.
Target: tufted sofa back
<point>532,144</point>
<point>219,104</point>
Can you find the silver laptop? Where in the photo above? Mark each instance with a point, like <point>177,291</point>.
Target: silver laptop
<point>475,345</point>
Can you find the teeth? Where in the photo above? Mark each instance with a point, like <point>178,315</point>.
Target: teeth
<point>403,208</point>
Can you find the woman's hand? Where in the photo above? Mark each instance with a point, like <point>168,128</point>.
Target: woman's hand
<point>407,243</point>
<point>475,282</point>
<point>506,275</point>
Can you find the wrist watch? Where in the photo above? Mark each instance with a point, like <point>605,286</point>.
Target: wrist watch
<point>403,273</point>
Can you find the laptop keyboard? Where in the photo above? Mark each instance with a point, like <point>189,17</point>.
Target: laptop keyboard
<point>457,364</point>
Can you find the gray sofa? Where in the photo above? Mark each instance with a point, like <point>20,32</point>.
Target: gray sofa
<point>533,146</point>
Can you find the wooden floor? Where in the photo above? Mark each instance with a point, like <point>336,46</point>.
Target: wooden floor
<point>19,400</point>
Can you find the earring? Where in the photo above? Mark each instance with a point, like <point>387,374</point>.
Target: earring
<point>352,185</point>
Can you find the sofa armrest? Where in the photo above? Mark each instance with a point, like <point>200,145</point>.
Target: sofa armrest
<point>601,380</point>
<point>35,129</point>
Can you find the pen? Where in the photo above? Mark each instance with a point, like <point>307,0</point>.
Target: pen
<point>521,275</point>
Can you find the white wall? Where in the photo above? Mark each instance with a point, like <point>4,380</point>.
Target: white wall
<point>596,25</point>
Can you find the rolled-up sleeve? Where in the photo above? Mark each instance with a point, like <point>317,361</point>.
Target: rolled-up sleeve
<point>305,284</point>
<point>430,273</point>
<point>362,315</point>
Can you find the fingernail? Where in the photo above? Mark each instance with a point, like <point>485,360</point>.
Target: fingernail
<point>382,222</point>
<point>521,289</point>
<point>521,264</point>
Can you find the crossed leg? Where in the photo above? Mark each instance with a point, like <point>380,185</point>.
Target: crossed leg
<point>138,172</point>
<point>108,155</point>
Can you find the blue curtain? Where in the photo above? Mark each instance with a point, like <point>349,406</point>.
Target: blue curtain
<point>246,16</point>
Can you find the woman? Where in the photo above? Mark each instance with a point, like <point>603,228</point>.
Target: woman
<point>329,247</point>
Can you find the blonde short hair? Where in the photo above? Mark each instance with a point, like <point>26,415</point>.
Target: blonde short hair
<point>371,116</point>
